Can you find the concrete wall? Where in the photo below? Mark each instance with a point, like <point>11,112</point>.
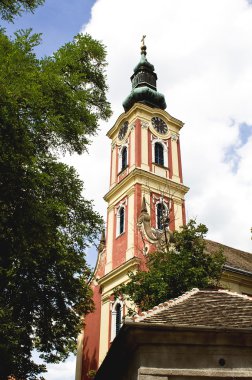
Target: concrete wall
<point>154,353</point>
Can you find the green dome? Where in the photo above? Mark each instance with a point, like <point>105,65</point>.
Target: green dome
<point>144,64</point>
<point>144,88</point>
<point>145,95</point>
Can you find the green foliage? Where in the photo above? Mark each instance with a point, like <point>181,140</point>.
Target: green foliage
<point>11,8</point>
<point>170,273</point>
<point>46,106</point>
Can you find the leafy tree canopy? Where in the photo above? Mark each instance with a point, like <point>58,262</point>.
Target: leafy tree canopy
<point>11,8</point>
<point>170,273</point>
<point>46,106</point>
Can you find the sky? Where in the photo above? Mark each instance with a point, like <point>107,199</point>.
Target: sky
<point>202,53</point>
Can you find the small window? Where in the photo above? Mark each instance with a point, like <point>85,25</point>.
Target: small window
<point>162,216</point>
<point>160,208</point>
<point>159,154</point>
<point>118,317</point>
<point>124,157</point>
<point>120,220</point>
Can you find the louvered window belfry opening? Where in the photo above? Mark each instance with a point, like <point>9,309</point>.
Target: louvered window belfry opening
<point>159,154</point>
<point>118,317</point>
<point>124,157</point>
<point>160,216</point>
<point>121,220</point>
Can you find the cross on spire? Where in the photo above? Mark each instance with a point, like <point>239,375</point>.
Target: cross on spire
<point>142,40</point>
<point>143,46</point>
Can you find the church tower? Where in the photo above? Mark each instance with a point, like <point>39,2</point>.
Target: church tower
<point>145,204</point>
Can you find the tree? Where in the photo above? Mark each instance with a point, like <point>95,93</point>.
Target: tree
<point>47,106</point>
<point>11,8</point>
<point>175,270</point>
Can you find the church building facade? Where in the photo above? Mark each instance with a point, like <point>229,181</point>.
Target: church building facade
<point>145,205</point>
<point>146,197</point>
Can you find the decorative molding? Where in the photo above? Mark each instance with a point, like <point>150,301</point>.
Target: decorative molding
<point>117,273</point>
<point>121,204</point>
<point>174,136</point>
<point>152,235</point>
<point>160,199</point>
<point>105,299</point>
<point>145,124</point>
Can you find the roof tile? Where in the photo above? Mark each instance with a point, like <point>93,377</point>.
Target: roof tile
<point>204,308</point>
<point>234,257</point>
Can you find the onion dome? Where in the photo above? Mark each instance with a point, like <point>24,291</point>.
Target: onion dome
<point>144,89</point>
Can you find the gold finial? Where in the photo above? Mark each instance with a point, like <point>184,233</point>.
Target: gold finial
<point>143,46</point>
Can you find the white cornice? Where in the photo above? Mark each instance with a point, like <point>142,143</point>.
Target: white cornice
<point>125,267</point>
<point>141,176</point>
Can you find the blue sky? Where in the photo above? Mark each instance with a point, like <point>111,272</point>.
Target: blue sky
<point>57,20</point>
<point>232,153</point>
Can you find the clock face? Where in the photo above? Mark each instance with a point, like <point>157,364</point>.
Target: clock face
<point>123,130</point>
<point>159,125</point>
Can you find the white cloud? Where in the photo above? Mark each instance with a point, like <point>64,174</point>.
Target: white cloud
<point>202,53</point>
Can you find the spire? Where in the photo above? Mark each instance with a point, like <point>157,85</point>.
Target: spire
<point>144,88</point>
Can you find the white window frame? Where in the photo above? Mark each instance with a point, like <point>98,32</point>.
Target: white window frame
<point>120,168</point>
<point>113,317</point>
<point>118,221</point>
<point>164,144</point>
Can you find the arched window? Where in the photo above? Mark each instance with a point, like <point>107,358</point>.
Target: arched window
<point>159,153</point>
<point>162,215</point>
<point>124,157</point>
<point>116,317</point>
<point>159,209</point>
<point>120,220</point>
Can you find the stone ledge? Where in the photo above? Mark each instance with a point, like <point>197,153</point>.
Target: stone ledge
<point>165,373</point>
